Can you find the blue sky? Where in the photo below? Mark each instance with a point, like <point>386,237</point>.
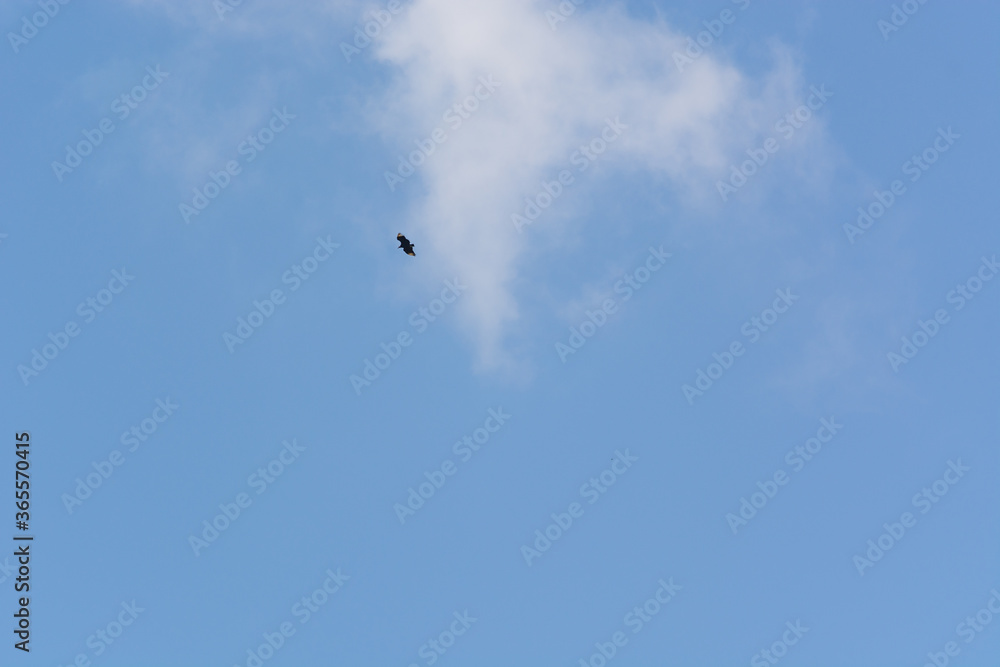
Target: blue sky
<point>192,307</point>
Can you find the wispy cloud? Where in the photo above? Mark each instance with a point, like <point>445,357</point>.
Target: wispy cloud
<point>558,87</point>
<point>557,90</point>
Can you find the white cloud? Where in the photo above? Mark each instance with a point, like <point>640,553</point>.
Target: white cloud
<point>557,89</point>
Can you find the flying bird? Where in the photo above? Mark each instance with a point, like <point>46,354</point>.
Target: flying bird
<point>405,245</point>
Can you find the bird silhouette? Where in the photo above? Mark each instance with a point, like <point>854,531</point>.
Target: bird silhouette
<point>405,245</point>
